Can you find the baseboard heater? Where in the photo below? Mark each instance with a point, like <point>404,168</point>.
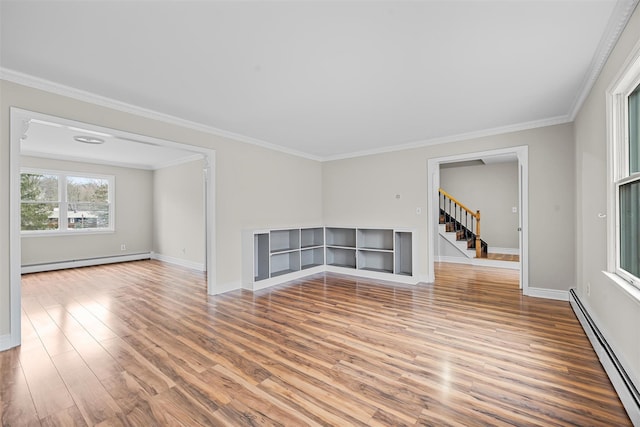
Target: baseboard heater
<point>621,381</point>
<point>86,262</point>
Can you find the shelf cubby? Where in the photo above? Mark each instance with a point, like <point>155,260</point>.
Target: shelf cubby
<point>286,262</point>
<point>375,261</point>
<point>285,240</point>
<point>312,257</point>
<point>343,237</point>
<point>370,238</point>
<point>260,256</point>
<point>403,253</point>
<point>311,237</point>
<point>341,257</point>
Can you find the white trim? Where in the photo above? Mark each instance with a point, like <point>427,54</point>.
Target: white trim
<point>63,203</point>
<point>61,265</point>
<point>627,79</point>
<point>433,183</point>
<point>285,278</point>
<point>16,131</point>
<point>481,262</point>
<point>389,277</point>
<point>198,266</point>
<point>623,391</point>
<point>81,95</point>
<point>177,162</point>
<point>113,163</point>
<point>456,138</point>
<point>56,88</point>
<point>547,293</point>
<point>622,11</point>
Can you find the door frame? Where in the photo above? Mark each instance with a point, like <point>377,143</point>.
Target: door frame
<point>433,184</point>
<point>19,121</point>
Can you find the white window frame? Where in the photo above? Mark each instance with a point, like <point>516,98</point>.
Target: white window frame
<point>618,160</point>
<point>63,206</point>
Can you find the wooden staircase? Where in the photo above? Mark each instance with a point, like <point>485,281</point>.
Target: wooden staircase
<point>461,220</point>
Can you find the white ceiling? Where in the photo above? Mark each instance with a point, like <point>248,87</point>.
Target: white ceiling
<point>54,139</point>
<point>323,79</point>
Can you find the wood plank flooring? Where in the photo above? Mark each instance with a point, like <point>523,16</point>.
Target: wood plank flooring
<point>141,344</point>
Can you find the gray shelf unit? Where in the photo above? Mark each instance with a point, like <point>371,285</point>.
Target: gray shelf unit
<point>311,247</point>
<point>275,256</point>
<point>403,253</point>
<point>260,256</point>
<point>341,247</point>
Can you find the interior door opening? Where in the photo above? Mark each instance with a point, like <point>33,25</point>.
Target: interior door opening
<point>129,143</point>
<point>520,154</point>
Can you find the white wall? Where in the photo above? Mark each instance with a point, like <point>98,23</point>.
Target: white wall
<point>362,191</point>
<point>492,189</point>
<point>615,311</point>
<point>255,187</point>
<point>133,213</point>
<point>178,214</point>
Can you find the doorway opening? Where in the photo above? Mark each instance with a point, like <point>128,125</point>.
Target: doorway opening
<point>433,214</point>
<point>128,143</point>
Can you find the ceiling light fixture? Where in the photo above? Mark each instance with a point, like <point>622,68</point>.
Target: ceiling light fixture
<point>89,139</point>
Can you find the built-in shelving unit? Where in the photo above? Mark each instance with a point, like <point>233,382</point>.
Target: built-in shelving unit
<point>311,247</point>
<point>275,256</point>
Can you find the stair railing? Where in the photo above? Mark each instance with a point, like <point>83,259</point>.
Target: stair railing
<point>452,207</point>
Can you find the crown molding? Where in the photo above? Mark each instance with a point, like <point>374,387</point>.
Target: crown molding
<point>46,85</point>
<point>456,138</point>
<point>81,95</point>
<point>617,22</point>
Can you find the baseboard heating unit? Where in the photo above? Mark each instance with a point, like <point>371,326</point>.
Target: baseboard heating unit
<point>622,383</point>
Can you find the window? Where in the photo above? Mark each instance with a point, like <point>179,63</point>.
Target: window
<point>628,193</point>
<point>65,202</point>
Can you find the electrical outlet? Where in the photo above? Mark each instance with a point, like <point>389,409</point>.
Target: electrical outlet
<point>588,289</point>
<point>123,247</point>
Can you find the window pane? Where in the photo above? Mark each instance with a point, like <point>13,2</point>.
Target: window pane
<point>634,131</point>
<point>630,227</point>
<point>88,215</point>
<point>39,208</point>
<point>38,187</point>
<point>88,202</point>
<point>39,216</point>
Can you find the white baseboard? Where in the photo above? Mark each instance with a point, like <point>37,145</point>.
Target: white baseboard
<point>622,383</point>
<point>481,262</point>
<point>178,261</point>
<point>61,265</point>
<point>548,293</point>
<point>506,251</point>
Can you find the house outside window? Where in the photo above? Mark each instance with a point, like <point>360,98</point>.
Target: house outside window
<point>65,202</point>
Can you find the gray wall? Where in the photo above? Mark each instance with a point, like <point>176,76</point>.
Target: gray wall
<point>492,189</point>
<point>616,312</point>
<point>178,213</point>
<point>362,191</point>
<point>133,218</point>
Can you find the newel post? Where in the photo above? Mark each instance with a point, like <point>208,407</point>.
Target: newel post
<point>478,241</point>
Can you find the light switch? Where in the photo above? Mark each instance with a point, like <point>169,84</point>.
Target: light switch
<point>514,209</point>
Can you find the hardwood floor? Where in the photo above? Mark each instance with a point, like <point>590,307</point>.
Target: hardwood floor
<point>504,257</point>
<point>142,344</point>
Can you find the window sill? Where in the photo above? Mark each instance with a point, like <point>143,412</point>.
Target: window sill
<point>627,287</point>
<point>65,233</point>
